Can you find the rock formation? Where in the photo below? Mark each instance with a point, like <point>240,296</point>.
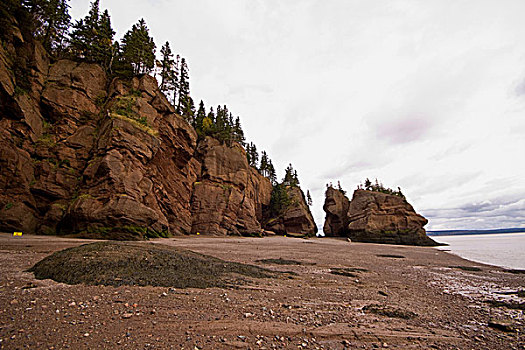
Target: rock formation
<point>83,155</point>
<point>374,217</point>
<point>229,195</point>
<point>296,220</point>
<point>336,206</point>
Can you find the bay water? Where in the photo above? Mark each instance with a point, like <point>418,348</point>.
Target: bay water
<point>503,249</point>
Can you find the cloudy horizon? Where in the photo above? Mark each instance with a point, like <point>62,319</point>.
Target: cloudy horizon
<point>428,96</point>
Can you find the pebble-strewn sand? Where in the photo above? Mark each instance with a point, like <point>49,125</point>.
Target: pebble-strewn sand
<point>406,298</point>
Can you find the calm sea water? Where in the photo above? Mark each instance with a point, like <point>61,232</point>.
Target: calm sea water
<point>504,249</point>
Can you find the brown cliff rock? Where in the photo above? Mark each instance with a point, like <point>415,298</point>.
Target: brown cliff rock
<point>377,217</point>
<point>296,220</point>
<point>229,196</point>
<point>138,182</point>
<point>80,155</point>
<point>336,206</point>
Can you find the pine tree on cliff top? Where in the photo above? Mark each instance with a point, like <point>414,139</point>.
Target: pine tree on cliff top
<point>308,198</point>
<point>184,86</point>
<point>252,155</point>
<point>168,74</point>
<point>272,175</point>
<point>238,133</point>
<point>263,168</point>
<point>92,38</point>
<point>290,176</point>
<point>189,111</point>
<point>51,22</point>
<point>199,117</point>
<point>138,48</point>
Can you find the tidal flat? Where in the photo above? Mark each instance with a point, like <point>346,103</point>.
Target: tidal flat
<point>424,298</point>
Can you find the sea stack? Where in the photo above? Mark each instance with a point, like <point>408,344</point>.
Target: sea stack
<point>296,219</point>
<point>374,217</point>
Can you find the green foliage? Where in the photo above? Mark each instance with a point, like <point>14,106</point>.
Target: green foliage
<point>220,125</point>
<point>266,168</point>
<point>183,92</point>
<point>143,121</point>
<point>168,71</point>
<point>122,109</point>
<point>124,106</point>
<point>378,187</point>
<point>9,206</point>
<point>138,48</point>
<point>290,176</point>
<point>92,38</point>
<point>135,122</point>
<point>280,201</point>
<point>51,22</point>
<point>46,140</point>
<point>252,155</point>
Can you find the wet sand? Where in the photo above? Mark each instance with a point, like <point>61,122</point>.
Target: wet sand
<point>341,295</point>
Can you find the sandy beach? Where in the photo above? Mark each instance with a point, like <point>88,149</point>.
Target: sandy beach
<point>339,295</point>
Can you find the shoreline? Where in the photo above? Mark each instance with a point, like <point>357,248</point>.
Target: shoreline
<point>387,296</point>
<point>502,249</point>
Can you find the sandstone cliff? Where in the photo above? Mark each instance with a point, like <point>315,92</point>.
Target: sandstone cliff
<point>296,219</point>
<point>86,155</point>
<point>374,217</point>
<point>336,206</point>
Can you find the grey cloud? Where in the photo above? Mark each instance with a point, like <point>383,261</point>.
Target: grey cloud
<point>499,212</point>
<point>520,88</point>
<point>346,168</point>
<point>402,130</point>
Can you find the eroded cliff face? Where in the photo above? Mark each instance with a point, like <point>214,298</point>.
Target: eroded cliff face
<point>336,206</point>
<point>229,195</point>
<point>375,217</point>
<point>83,155</point>
<point>296,220</point>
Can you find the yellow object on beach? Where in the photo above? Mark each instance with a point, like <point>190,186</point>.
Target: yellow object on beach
<point>198,233</point>
<point>17,234</point>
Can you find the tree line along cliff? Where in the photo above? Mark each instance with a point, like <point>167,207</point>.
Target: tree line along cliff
<point>88,150</point>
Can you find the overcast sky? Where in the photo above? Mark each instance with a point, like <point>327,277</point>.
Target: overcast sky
<point>425,95</point>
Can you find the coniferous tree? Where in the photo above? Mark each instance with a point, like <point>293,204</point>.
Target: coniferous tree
<point>184,86</point>
<point>176,86</point>
<point>263,167</point>
<point>208,122</point>
<point>279,200</point>
<point>51,22</point>
<point>138,49</point>
<point>199,117</point>
<point>189,111</point>
<point>252,155</point>
<point>309,198</point>
<point>238,132</point>
<point>106,51</point>
<point>271,172</point>
<point>168,75</point>
<point>290,176</point>
<point>92,38</point>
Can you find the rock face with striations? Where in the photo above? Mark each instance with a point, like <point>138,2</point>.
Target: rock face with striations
<point>296,219</point>
<point>375,217</point>
<point>229,195</point>
<point>336,206</point>
<point>83,155</point>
